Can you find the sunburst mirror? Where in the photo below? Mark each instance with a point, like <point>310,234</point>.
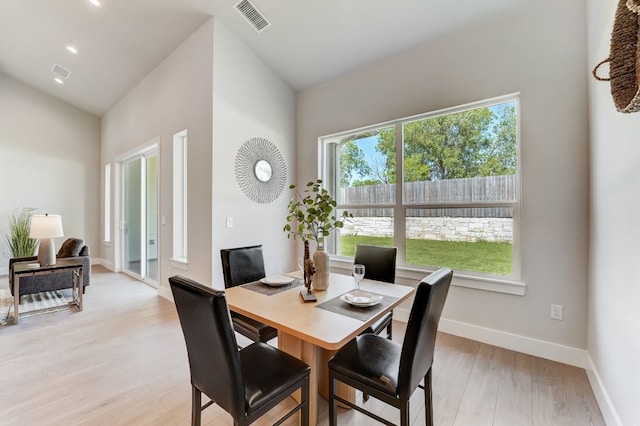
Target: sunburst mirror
<point>261,171</point>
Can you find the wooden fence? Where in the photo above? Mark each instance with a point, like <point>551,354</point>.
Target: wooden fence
<point>469,190</point>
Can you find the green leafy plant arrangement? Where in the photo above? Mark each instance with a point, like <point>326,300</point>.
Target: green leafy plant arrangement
<point>18,238</point>
<point>310,214</point>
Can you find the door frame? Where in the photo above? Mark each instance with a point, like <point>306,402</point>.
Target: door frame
<point>151,146</point>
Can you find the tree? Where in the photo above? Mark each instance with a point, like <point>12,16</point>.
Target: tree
<point>387,147</point>
<point>502,157</point>
<point>477,142</point>
<point>352,163</point>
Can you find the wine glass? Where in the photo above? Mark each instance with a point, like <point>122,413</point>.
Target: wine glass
<point>301,265</point>
<point>358,273</point>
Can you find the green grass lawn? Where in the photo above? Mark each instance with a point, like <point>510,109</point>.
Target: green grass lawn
<point>493,258</point>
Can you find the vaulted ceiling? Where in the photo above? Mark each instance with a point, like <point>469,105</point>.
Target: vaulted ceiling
<point>307,42</point>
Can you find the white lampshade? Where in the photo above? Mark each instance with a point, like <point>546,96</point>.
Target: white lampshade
<point>46,226</point>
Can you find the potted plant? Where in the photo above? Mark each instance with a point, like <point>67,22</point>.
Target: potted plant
<point>18,239</point>
<point>311,218</point>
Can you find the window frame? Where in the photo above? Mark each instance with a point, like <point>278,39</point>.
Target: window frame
<point>106,238</point>
<point>512,283</point>
<point>180,190</point>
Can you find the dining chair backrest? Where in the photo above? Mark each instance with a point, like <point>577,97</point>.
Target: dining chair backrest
<point>420,336</point>
<point>214,360</point>
<point>379,262</point>
<point>242,265</point>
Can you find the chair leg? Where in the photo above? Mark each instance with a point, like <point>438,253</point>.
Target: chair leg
<point>196,401</point>
<point>304,411</point>
<point>404,414</point>
<point>333,405</point>
<point>428,402</point>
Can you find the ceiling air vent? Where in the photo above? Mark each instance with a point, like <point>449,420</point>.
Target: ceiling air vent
<point>253,15</point>
<point>61,71</point>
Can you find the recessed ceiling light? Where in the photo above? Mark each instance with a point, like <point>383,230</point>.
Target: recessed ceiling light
<point>72,49</point>
<point>95,2</point>
<point>58,80</point>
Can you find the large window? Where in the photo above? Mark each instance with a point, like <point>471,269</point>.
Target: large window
<point>180,196</point>
<point>442,187</point>
<point>107,203</point>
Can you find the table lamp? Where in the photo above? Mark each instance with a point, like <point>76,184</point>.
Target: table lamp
<point>46,227</point>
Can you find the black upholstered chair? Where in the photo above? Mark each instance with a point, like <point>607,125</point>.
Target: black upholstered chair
<point>246,383</point>
<point>243,265</point>
<point>388,371</point>
<point>380,265</point>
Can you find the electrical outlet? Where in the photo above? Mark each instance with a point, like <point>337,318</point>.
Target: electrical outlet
<point>229,222</point>
<point>556,312</point>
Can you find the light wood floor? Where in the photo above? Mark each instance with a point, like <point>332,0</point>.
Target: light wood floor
<point>122,361</point>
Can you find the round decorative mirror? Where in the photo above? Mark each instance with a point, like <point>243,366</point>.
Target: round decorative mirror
<point>261,171</point>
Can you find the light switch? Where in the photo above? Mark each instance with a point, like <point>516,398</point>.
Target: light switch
<point>229,222</point>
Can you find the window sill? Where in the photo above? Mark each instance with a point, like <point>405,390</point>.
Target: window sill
<point>180,263</point>
<point>494,284</point>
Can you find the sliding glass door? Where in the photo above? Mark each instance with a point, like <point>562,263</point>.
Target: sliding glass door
<point>140,215</point>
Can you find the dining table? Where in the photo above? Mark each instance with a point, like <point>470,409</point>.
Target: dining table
<point>315,331</point>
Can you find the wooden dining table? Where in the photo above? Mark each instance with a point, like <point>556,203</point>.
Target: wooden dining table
<point>313,332</point>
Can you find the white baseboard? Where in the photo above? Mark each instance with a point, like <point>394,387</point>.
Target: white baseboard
<point>165,292</point>
<point>540,348</point>
<point>607,409</point>
<point>99,261</point>
<point>401,314</point>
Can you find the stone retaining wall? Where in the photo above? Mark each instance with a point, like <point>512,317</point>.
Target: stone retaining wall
<point>436,228</point>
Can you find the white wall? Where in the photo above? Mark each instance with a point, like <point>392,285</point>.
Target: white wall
<point>538,50</point>
<point>49,159</point>
<point>173,97</point>
<point>614,291</point>
<point>250,100</point>
<point>223,94</point>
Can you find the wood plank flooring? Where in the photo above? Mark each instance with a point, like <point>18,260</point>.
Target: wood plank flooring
<point>122,361</point>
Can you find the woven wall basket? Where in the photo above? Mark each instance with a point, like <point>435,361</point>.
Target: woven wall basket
<point>624,58</point>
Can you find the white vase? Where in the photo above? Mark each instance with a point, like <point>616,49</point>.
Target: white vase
<point>321,263</point>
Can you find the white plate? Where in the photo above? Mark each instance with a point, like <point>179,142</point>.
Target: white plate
<point>277,280</point>
<point>361,299</point>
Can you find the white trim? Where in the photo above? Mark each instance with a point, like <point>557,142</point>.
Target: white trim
<point>103,262</point>
<point>490,284</point>
<point>607,408</point>
<point>107,204</point>
<point>401,314</point>
<point>165,292</point>
<point>181,264</point>
<point>540,348</point>
<point>152,145</point>
<point>4,271</point>
<point>548,350</point>
<point>180,189</point>
<point>409,276</point>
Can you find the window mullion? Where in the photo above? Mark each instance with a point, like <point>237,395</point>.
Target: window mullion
<point>399,214</point>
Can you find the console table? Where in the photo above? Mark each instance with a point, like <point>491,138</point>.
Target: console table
<point>22,269</point>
